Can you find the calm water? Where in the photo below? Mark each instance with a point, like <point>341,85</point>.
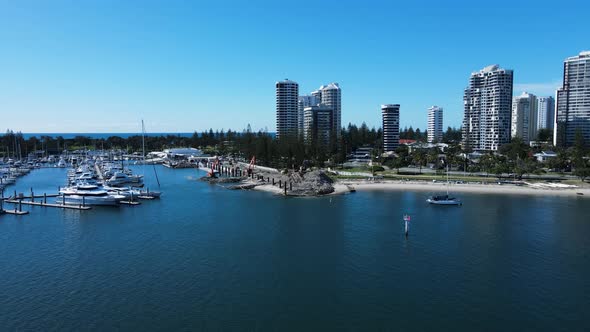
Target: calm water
<point>205,258</point>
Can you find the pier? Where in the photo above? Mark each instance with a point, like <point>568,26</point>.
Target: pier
<point>19,200</point>
<point>61,206</point>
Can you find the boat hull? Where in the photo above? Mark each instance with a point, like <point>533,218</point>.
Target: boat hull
<point>445,202</point>
<point>89,200</point>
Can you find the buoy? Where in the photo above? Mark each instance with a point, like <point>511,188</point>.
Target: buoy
<point>407,224</point>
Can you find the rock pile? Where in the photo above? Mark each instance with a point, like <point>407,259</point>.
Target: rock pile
<point>314,183</point>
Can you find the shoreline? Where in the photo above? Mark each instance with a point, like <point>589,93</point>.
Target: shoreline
<point>466,188</point>
<point>344,187</point>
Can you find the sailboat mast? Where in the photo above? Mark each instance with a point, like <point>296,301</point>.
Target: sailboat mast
<point>143,144</point>
<point>447,179</point>
<point>143,139</point>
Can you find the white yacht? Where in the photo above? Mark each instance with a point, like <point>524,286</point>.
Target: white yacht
<point>88,194</point>
<point>120,178</point>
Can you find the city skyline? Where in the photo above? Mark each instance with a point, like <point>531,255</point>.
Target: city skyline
<point>172,65</point>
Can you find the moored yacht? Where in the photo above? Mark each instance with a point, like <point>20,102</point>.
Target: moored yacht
<point>88,194</point>
<point>120,178</point>
<point>443,200</point>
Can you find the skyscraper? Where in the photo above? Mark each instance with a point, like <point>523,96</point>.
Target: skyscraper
<point>287,94</point>
<point>488,104</point>
<point>318,125</point>
<point>435,124</point>
<point>390,118</point>
<point>573,101</point>
<point>304,101</point>
<point>524,117</point>
<point>545,113</point>
<point>331,97</point>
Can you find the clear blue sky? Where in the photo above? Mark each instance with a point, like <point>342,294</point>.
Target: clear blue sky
<point>102,66</point>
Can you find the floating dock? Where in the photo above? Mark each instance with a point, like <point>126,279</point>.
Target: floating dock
<point>61,206</point>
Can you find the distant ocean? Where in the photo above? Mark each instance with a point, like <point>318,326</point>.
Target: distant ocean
<point>107,135</point>
<point>100,135</point>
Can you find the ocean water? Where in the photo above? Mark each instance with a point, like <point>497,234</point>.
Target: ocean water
<point>107,135</point>
<point>205,258</point>
<point>101,135</point>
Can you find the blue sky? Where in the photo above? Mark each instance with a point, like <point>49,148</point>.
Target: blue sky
<point>102,66</point>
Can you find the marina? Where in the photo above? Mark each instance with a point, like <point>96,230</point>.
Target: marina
<point>100,179</point>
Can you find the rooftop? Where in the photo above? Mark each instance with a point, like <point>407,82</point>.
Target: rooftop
<point>331,86</point>
<point>286,80</point>
<point>582,55</point>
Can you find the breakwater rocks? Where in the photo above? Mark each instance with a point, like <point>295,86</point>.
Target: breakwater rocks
<point>314,183</point>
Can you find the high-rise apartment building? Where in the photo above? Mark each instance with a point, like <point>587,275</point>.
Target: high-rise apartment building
<point>524,117</point>
<point>390,118</point>
<point>287,94</point>
<point>435,124</point>
<point>573,101</point>
<point>303,102</point>
<point>488,103</point>
<point>318,125</point>
<point>327,97</point>
<point>331,97</point>
<point>545,113</point>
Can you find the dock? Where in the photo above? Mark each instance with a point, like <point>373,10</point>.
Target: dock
<point>61,206</point>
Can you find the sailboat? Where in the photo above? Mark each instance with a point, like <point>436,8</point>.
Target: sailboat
<point>148,194</point>
<point>444,199</point>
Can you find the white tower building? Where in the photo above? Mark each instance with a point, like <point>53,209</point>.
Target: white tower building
<point>435,124</point>
<point>287,94</point>
<point>545,113</point>
<point>331,97</point>
<point>524,117</point>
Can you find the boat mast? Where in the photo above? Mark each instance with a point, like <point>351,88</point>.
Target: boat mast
<point>143,140</point>
<point>143,143</point>
<point>447,179</point>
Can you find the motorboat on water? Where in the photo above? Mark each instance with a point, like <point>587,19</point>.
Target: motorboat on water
<point>131,193</point>
<point>88,194</point>
<point>120,178</point>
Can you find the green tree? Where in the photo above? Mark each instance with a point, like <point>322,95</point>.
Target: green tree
<point>419,158</point>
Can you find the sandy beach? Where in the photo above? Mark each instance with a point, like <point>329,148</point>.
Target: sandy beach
<point>342,187</point>
<point>441,187</point>
<point>346,186</point>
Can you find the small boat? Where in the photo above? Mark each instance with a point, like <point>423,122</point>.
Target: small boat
<point>443,200</point>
